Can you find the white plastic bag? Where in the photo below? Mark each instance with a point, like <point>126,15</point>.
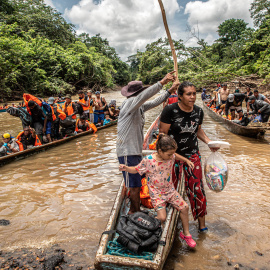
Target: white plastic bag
<point>216,172</point>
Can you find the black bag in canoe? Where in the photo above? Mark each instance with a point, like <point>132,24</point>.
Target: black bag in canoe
<point>139,232</point>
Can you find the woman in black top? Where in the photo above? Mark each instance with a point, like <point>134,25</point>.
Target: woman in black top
<point>182,121</point>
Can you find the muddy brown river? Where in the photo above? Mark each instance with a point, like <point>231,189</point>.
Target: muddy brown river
<point>65,196</point>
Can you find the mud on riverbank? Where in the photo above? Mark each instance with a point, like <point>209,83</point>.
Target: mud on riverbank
<point>50,258</point>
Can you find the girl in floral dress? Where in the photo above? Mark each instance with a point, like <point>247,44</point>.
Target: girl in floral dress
<point>158,169</point>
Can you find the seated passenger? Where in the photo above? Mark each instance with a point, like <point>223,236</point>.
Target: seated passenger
<point>27,138</point>
<point>107,120</point>
<point>112,111</point>
<point>234,103</point>
<point>84,125</point>
<point>9,145</point>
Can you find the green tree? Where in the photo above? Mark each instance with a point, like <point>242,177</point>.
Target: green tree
<point>259,9</point>
<point>6,7</point>
<point>42,19</point>
<point>231,30</point>
<point>101,45</point>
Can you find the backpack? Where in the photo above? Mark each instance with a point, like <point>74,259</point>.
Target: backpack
<point>68,122</point>
<point>139,232</point>
<point>79,108</point>
<point>22,114</point>
<point>47,110</point>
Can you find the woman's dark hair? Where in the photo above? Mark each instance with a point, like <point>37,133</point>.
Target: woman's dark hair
<point>165,143</point>
<point>182,86</point>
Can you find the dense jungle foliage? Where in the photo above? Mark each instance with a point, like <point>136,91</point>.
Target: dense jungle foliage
<point>41,54</point>
<point>238,51</point>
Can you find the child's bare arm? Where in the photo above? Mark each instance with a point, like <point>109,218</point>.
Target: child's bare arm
<point>125,168</point>
<point>189,163</point>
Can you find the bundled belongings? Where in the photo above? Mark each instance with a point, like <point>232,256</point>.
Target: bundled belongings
<point>244,121</point>
<point>67,126</point>
<point>216,169</point>
<point>22,114</point>
<point>139,232</point>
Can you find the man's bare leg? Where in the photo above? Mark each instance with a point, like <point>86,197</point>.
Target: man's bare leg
<point>134,200</point>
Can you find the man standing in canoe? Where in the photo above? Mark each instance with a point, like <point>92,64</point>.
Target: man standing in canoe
<point>130,128</point>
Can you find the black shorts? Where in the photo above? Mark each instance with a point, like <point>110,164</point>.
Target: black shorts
<point>131,180</point>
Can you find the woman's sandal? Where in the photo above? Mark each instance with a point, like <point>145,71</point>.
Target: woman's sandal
<point>190,242</point>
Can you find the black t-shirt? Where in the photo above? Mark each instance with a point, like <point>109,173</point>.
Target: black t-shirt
<point>184,127</point>
<point>37,114</point>
<point>27,140</point>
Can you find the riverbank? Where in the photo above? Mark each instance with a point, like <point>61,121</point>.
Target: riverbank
<point>54,257</point>
<point>252,81</point>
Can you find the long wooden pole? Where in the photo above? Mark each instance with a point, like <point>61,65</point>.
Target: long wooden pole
<point>169,38</point>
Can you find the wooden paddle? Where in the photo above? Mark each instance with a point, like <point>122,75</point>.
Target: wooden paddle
<point>169,38</point>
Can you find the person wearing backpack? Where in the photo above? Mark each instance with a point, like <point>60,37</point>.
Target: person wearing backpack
<point>49,112</point>
<point>158,170</point>
<point>39,118</point>
<point>55,135</point>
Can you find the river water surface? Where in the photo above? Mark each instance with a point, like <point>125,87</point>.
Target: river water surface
<point>65,196</point>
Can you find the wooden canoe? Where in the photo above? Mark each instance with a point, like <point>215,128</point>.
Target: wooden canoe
<point>23,154</point>
<point>105,261</point>
<point>252,132</point>
<point>4,110</point>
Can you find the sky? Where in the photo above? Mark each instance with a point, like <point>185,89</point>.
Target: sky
<point>129,25</point>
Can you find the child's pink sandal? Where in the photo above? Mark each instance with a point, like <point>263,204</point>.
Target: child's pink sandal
<point>190,242</point>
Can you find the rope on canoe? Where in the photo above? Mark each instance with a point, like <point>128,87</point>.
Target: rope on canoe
<point>114,248</point>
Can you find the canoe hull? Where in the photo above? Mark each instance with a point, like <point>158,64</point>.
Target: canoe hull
<point>251,132</point>
<point>104,261</point>
<point>23,154</point>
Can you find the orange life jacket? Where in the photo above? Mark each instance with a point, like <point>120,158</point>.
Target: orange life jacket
<point>20,145</point>
<point>57,110</point>
<point>153,146</point>
<point>144,195</point>
<point>28,97</point>
<point>61,114</point>
<point>91,125</point>
<point>85,108</point>
<point>37,141</point>
<point>69,109</point>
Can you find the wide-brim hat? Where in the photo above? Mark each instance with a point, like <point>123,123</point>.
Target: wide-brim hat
<point>68,96</point>
<point>132,88</point>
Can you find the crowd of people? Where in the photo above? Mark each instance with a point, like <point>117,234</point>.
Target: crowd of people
<point>52,120</point>
<point>230,105</point>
